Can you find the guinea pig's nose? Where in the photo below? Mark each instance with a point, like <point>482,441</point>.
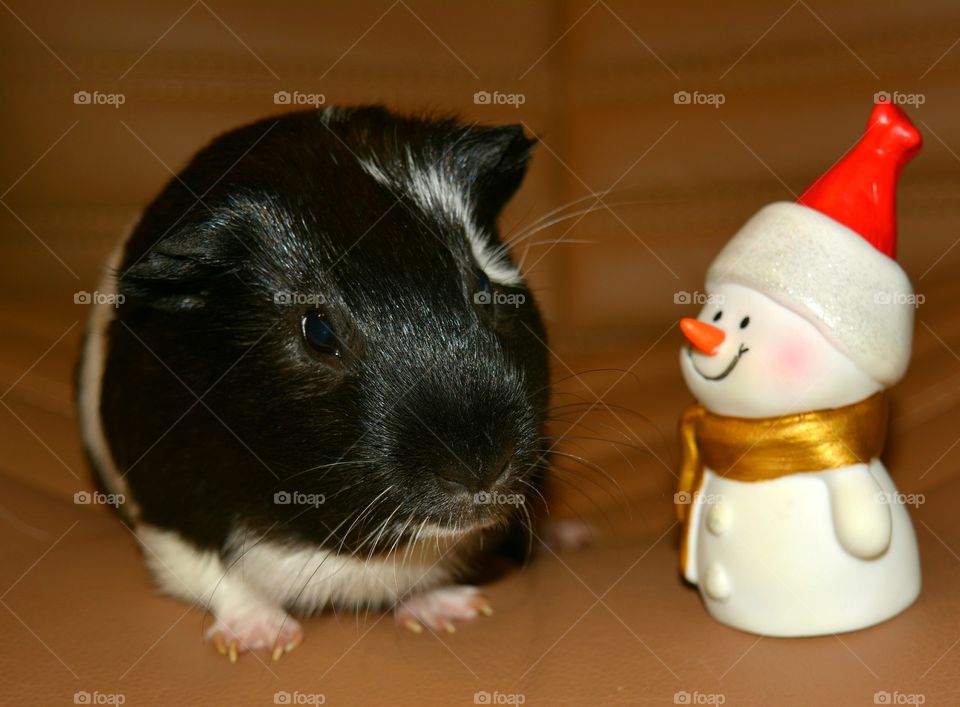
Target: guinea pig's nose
<point>706,337</point>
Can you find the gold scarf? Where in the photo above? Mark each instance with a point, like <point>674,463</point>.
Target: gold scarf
<point>765,448</point>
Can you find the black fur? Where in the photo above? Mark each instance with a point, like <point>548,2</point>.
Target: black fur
<point>432,392</point>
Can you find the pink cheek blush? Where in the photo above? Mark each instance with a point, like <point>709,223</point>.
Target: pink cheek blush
<point>794,360</point>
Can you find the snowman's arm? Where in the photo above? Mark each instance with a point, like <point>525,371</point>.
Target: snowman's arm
<point>861,515</point>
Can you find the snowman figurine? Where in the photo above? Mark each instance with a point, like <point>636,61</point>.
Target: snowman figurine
<point>791,525</point>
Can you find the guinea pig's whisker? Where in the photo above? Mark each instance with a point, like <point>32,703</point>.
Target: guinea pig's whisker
<point>536,228</point>
<point>530,532</point>
<point>383,526</point>
<point>361,515</point>
<point>591,371</point>
<point>603,407</point>
<point>588,497</point>
<point>558,209</point>
<point>566,503</point>
<point>580,214</point>
<point>614,444</point>
<point>416,542</point>
<point>597,196</point>
<point>309,579</point>
<point>595,467</point>
<point>576,424</point>
<point>403,560</point>
<point>540,495</point>
<point>557,241</point>
<point>330,466</point>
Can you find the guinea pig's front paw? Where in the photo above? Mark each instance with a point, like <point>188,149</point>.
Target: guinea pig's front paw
<point>260,628</point>
<point>437,609</point>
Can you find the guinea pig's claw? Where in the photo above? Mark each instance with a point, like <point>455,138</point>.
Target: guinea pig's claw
<point>220,644</point>
<point>411,625</point>
<point>272,631</point>
<point>282,647</point>
<point>439,608</point>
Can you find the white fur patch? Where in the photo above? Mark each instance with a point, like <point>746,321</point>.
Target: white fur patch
<point>434,190</point>
<point>266,572</point>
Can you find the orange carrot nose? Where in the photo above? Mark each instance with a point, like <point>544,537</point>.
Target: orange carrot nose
<point>706,337</point>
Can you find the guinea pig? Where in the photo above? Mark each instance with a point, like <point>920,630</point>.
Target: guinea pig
<point>327,381</point>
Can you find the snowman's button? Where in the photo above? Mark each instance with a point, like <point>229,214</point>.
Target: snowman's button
<point>716,583</point>
<point>718,518</point>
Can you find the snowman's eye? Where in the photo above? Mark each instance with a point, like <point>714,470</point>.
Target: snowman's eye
<point>716,317</point>
<point>744,322</point>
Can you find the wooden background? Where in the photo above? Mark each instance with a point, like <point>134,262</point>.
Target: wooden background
<point>597,79</point>
<point>597,82</point>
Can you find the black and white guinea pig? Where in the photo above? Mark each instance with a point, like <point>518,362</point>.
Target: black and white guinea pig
<point>313,393</point>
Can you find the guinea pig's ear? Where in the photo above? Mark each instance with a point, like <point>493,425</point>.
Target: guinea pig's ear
<point>176,271</point>
<point>496,159</point>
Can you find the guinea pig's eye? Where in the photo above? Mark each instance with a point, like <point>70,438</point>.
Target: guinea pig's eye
<point>318,332</point>
<point>483,294</point>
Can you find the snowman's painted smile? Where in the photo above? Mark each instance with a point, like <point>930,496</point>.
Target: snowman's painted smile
<point>726,371</point>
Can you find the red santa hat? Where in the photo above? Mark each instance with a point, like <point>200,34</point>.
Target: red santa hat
<point>830,255</point>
